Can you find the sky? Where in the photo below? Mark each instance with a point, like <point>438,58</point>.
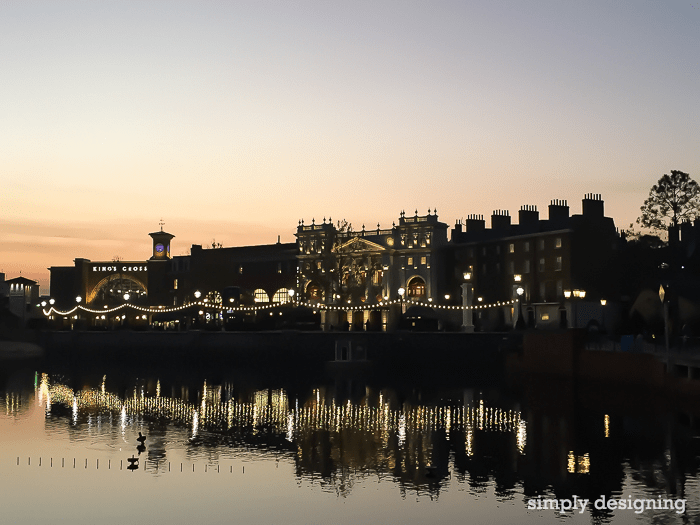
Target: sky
<point>231,121</point>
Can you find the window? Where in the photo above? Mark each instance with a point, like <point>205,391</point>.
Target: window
<point>498,267</point>
<point>543,289</point>
<point>175,284</point>
<point>560,288</point>
<point>261,296</point>
<point>377,277</point>
<point>511,267</point>
<point>527,246</point>
<point>541,265</point>
<point>240,269</point>
<point>483,251</point>
<point>557,242</point>
<point>483,269</point>
<point>424,260</point>
<point>410,261</point>
<point>559,264</point>
<point>511,248</point>
<point>318,265</point>
<point>280,296</point>
<point>526,267</point>
<point>315,292</point>
<point>498,250</point>
<point>541,244</point>
<point>279,267</point>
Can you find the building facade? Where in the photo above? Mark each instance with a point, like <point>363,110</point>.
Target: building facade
<point>546,270</point>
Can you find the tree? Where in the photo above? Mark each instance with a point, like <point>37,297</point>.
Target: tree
<point>674,199</point>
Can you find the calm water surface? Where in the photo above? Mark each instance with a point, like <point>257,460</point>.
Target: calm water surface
<point>340,451</point>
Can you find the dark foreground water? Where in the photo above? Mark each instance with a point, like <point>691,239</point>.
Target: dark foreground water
<point>339,450</point>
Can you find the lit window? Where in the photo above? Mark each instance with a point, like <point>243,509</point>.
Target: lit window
<point>240,269</point>
<point>511,248</point>
<point>410,261</point>
<point>318,265</point>
<point>261,296</point>
<point>280,296</point>
<point>279,267</point>
<point>423,260</point>
<point>557,242</point>
<point>175,284</point>
<point>315,292</point>
<point>558,267</point>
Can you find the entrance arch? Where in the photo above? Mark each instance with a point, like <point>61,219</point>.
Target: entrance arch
<point>416,288</point>
<point>113,287</point>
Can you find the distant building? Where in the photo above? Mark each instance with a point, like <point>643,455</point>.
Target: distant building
<point>363,280</point>
<point>560,263</point>
<point>368,267</point>
<point>22,298</point>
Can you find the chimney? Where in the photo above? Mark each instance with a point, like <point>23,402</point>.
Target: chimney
<point>558,210</point>
<point>475,223</point>
<point>528,215</point>
<point>500,220</point>
<point>592,205</point>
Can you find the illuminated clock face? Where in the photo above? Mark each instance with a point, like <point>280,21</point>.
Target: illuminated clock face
<point>159,248</point>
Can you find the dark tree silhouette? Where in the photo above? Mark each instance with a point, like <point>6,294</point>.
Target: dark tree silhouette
<point>674,199</point>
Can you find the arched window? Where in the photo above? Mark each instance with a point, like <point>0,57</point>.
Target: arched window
<point>314,292</point>
<point>261,296</point>
<point>280,296</point>
<point>416,288</point>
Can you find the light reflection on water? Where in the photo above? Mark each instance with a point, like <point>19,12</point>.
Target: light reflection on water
<point>467,452</point>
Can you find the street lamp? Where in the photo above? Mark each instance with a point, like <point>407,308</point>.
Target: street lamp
<point>401,291</point>
<point>126,296</point>
<point>520,323</point>
<point>78,299</point>
<point>197,294</point>
<point>467,294</point>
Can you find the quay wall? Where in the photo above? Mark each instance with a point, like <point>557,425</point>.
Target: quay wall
<point>409,354</point>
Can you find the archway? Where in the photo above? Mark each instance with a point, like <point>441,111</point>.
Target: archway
<point>113,288</point>
<point>416,288</point>
<point>314,292</point>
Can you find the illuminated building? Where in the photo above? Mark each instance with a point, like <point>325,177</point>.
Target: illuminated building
<point>376,279</point>
<point>565,264</point>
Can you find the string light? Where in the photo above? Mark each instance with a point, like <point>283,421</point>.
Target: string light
<point>319,306</point>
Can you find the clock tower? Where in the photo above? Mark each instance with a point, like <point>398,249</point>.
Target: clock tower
<point>161,244</point>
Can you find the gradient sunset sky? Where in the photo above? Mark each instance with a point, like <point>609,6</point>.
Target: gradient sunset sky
<point>233,120</point>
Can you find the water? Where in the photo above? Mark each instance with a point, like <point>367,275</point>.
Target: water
<point>337,451</point>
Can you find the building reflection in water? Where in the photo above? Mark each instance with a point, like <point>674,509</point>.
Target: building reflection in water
<point>556,444</point>
<point>329,440</point>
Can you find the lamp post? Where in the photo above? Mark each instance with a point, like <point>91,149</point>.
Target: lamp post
<point>663,295</point>
<point>520,323</point>
<point>402,291</point>
<point>467,296</point>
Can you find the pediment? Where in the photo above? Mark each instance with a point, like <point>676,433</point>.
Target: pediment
<point>358,244</point>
